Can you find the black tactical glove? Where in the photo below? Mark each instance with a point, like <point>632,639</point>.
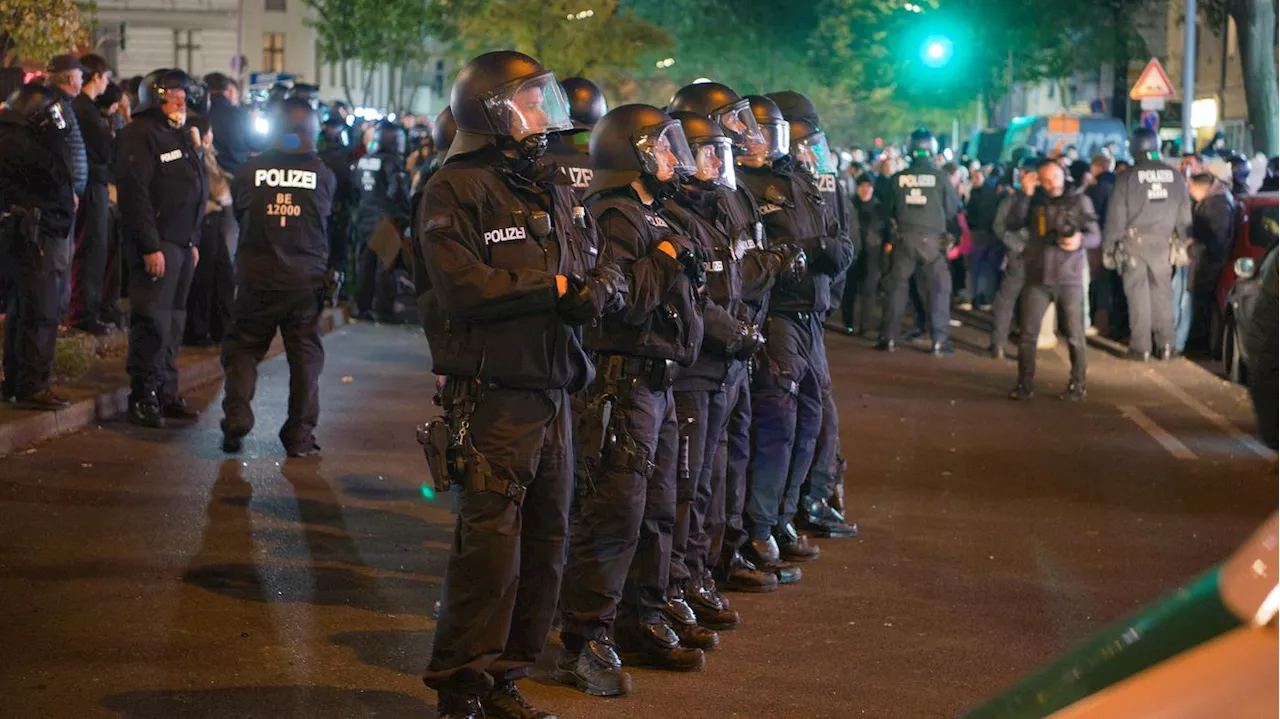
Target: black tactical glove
<point>750,341</point>
<point>694,260</point>
<point>793,263</point>
<point>592,296</point>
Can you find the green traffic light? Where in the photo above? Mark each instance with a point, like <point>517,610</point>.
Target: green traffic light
<point>936,50</point>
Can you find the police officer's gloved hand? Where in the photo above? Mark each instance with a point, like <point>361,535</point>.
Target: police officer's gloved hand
<point>793,263</point>
<point>750,343</point>
<point>591,296</point>
<point>694,261</point>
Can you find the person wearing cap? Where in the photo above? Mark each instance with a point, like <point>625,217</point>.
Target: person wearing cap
<point>282,200</point>
<point>162,187</point>
<point>66,75</point>
<point>36,216</point>
<point>90,262</point>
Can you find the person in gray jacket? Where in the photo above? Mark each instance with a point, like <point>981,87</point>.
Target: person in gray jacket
<point>1060,226</point>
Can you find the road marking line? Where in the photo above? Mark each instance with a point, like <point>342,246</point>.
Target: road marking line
<point>1158,433</point>
<point>1222,423</point>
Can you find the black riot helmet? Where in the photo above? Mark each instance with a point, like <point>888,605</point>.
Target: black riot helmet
<point>809,147</point>
<point>507,97</point>
<point>711,147</point>
<point>197,97</point>
<point>796,106</point>
<point>37,106</point>
<point>296,127</point>
<point>444,131</point>
<point>586,102</point>
<point>773,128</point>
<point>638,142</point>
<point>156,85</point>
<point>336,132</point>
<point>389,137</point>
<point>922,145</point>
<point>1144,143</point>
<point>723,105</point>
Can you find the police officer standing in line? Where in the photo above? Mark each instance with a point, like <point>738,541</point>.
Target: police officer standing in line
<point>700,396</point>
<point>1150,204</point>
<point>335,152</point>
<point>37,210</point>
<point>512,261</point>
<point>809,147</point>
<point>442,134</point>
<point>1015,273</point>
<point>787,395</point>
<point>923,204</point>
<point>759,270</point>
<point>569,149</point>
<point>162,187</point>
<point>383,183</point>
<point>1060,226</point>
<point>282,200</point>
<point>627,439</point>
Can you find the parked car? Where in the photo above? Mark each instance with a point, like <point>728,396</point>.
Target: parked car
<point>1256,233</point>
<point>1238,313</point>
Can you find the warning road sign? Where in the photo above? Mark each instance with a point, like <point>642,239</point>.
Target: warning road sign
<point>1153,83</point>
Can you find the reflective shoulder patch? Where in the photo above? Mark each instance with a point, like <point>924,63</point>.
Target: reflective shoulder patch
<point>769,208</point>
<point>438,222</point>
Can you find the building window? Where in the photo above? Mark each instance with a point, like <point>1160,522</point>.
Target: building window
<point>275,5</point>
<point>273,51</point>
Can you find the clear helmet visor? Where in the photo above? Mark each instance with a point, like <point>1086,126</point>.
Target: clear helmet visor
<point>814,154</point>
<point>740,125</point>
<point>664,152</point>
<point>531,106</point>
<point>775,142</point>
<point>714,162</point>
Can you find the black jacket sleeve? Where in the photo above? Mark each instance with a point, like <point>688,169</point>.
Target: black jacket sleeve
<point>650,272</point>
<point>466,286</point>
<point>759,273</point>
<point>135,169</point>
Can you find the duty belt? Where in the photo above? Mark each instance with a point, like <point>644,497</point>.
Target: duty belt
<point>659,373</point>
<point>797,316</point>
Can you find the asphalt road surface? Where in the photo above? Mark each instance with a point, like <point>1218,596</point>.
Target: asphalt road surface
<point>143,573</point>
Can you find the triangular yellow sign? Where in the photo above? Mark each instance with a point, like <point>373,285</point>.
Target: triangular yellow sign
<point>1152,83</point>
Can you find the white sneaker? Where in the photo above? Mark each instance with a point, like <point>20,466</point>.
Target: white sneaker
<point>955,323</point>
<point>965,306</point>
<point>1091,331</point>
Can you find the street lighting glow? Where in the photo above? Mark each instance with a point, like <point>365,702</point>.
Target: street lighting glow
<point>668,62</point>
<point>936,51</point>
<point>582,15</point>
<point>261,125</point>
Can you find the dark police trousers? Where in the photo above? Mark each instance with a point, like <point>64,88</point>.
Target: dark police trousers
<point>907,256</point>
<point>825,474</point>
<point>1070,303</point>
<point>375,284</point>
<point>504,570</point>
<point>89,265</point>
<point>732,463</point>
<point>701,417</point>
<point>213,284</point>
<point>622,531</point>
<point>862,284</point>
<point>31,322</point>
<point>1015,277</point>
<point>1148,287</point>
<point>258,314</point>
<point>787,407</point>
<point>157,317</point>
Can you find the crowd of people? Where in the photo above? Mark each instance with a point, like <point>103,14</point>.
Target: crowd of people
<point>625,309</point>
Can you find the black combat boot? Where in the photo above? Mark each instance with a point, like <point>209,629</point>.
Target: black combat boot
<point>1075,393</point>
<point>505,702</point>
<point>1021,393</point>
<point>177,408</point>
<point>656,646</point>
<point>943,349</point>
<point>742,576</point>
<point>794,546</point>
<point>823,520</point>
<point>458,706</point>
<point>144,410</point>
<point>684,623</point>
<point>764,554</point>
<point>712,612</point>
<point>595,670</point>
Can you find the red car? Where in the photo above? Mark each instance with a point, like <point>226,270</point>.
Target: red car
<point>1255,234</point>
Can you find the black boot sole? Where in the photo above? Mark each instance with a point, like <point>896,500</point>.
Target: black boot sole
<point>716,625</point>
<point>731,586</point>
<point>645,661</point>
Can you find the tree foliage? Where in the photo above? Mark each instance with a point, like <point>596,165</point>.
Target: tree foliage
<point>36,30</point>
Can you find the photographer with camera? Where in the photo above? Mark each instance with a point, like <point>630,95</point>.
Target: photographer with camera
<point>1060,226</point>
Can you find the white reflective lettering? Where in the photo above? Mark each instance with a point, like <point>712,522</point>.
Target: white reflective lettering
<point>276,177</point>
<point>506,234</point>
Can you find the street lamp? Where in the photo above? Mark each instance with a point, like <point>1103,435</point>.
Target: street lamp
<point>936,50</point>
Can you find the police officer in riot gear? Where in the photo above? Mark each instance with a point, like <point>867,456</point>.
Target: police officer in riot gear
<point>923,205</point>
<point>442,134</point>
<point>628,442</point>
<point>162,188</point>
<point>701,208</point>
<point>37,210</point>
<point>569,149</point>
<point>335,152</point>
<point>382,182</point>
<point>760,269</point>
<point>511,257</point>
<point>787,395</point>
<point>283,201</point>
<point>812,153</point>
<point>1150,209</point>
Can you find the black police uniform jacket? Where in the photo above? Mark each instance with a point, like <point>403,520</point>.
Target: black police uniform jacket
<point>491,311</point>
<point>1151,197</point>
<point>759,268</point>
<point>573,164</point>
<point>924,204</point>
<point>383,184</point>
<point>283,202</point>
<point>662,316</point>
<point>35,172</point>
<point>794,212</point>
<point>345,199</point>
<point>698,214</point>
<point>161,183</point>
